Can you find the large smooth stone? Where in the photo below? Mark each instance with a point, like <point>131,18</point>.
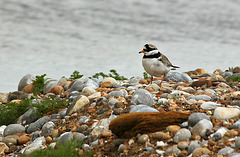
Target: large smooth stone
<point>37,125</point>
<point>78,103</point>
<point>143,108</point>
<point>37,144</point>
<point>196,117</point>
<point>201,127</point>
<point>26,80</point>
<point>226,113</point>
<point>12,129</point>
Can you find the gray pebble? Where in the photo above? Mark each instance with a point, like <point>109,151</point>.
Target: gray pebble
<point>49,84</point>
<point>143,108</point>
<point>47,128</point>
<point>26,80</point>
<point>196,117</point>
<point>209,105</point>
<point>142,96</point>
<point>202,127</point>
<point>192,146</point>
<point>10,140</point>
<point>12,129</point>
<point>83,119</point>
<point>37,144</point>
<point>35,135</point>
<point>111,103</point>
<point>37,125</point>
<point>173,150</point>
<point>177,77</point>
<point>17,95</point>
<point>182,135</point>
<point>28,117</point>
<point>121,93</point>
<point>234,155</point>
<point>65,137</point>
<point>225,151</point>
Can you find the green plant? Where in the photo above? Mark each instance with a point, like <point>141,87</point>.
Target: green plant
<point>11,111</point>
<point>76,75</point>
<point>233,79</point>
<point>38,84</point>
<point>50,105</point>
<point>146,76</point>
<point>113,73</point>
<point>70,149</point>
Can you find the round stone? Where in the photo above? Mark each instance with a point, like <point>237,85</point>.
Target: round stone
<point>143,138</point>
<point>87,91</point>
<point>210,105</point>
<point>173,150</point>
<point>142,96</point>
<point>23,139</point>
<point>108,82</point>
<point>201,127</point>
<point>12,129</point>
<point>47,128</point>
<point>196,117</point>
<point>37,125</point>
<point>192,146</point>
<point>182,135</point>
<point>225,151</point>
<point>200,152</point>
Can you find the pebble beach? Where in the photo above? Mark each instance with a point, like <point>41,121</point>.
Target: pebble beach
<point>195,113</point>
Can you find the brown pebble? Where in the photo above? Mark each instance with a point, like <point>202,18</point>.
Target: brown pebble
<point>160,136</point>
<point>200,151</point>
<point>211,142</point>
<point>57,90</point>
<point>49,140</point>
<point>196,137</point>
<point>200,83</point>
<point>172,129</point>
<point>23,139</point>
<point>28,88</point>
<point>104,134</point>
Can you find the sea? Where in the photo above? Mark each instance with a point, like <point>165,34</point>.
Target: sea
<point>57,37</point>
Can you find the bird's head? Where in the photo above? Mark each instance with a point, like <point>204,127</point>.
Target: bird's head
<point>147,48</point>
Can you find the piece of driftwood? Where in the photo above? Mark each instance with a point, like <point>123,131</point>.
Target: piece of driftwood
<point>130,124</point>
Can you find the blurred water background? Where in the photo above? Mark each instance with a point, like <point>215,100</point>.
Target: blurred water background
<point>57,37</point>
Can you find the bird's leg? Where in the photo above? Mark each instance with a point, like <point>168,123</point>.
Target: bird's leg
<point>160,84</point>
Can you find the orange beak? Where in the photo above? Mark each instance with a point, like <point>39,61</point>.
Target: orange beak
<point>142,51</point>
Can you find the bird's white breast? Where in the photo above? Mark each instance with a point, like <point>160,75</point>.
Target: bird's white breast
<point>154,67</point>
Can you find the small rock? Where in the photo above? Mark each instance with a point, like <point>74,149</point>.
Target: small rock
<point>83,119</point>
<point>4,98</point>
<point>108,82</point>
<point>78,85</point>
<point>23,139</point>
<point>160,136</point>
<point>173,150</point>
<point>28,88</point>
<point>200,83</point>
<point>47,128</point>
<point>121,148</point>
<point>26,80</point>
<point>143,108</point>
<point>57,90</point>
<point>160,152</point>
<point>210,105</point>
<point>182,135</point>
<point>225,151</point>
<point>49,139</point>
<point>192,146</point>
<point>104,134</point>
<point>10,140</point>
<point>3,147</point>
<point>183,145</point>
<point>121,93</point>
<point>65,137</point>
<point>201,127</point>
<point>142,96</point>
<point>177,77</point>
<point>87,91</point>
<point>234,155</point>
<point>35,135</point>
<point>143,138</point>
<point>17,95</point>
<point>37,144</point>
<point>236,93</point>
<point>219,133</point>
<point>111,103</point>
<point>28,117</point>
<point>226,113</point>
<point>37,125</point>
<point>49,84</point>
<point>200,152</point>
<point>202,97</point>
<point>173,129</point>
<point>12,129</point>
<point>161,144</point>
<point>196,117</point>
<point>76,106</point>
<point>237,142</point>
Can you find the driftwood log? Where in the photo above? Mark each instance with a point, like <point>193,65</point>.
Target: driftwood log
<point>130,124</point>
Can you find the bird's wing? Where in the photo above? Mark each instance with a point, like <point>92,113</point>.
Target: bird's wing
<point>165,61</point>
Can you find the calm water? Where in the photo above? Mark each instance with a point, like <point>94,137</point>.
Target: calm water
<point>57,37</point>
